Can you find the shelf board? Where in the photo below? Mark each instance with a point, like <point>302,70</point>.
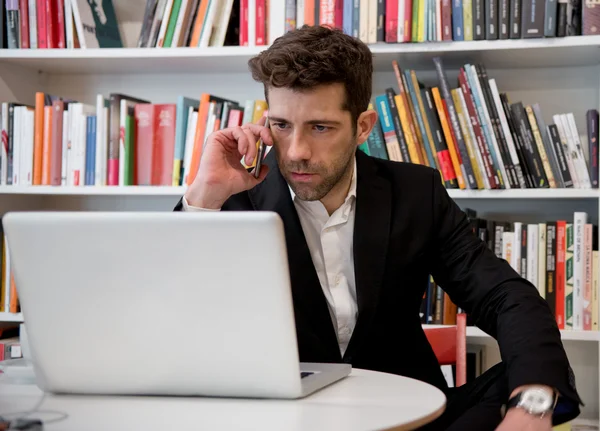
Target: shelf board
<point>93,190</point>
<point>516,53</point>
<point>525,194</point>
<point>179,191</point>
<point>567,335</point>
<point>11,318</point>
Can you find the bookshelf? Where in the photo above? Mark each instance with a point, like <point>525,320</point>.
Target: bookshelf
<point>561,74</point>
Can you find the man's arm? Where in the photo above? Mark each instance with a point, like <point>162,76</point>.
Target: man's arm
<point>501,303</point>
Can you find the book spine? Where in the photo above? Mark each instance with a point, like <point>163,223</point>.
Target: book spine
<point>515,19</point>
<point>504,19</point>
<point>532,18</point>
<point>550,18</point>
<point>550,248</point>
<point>579,221</point>
<point>469,175</point>
<point>478,20</point>
<point>491,19</point>
<point>591,18</point>
<point>561,275</point>
<point>592,129</point>
<point>457,21</point>
<point>587,279</point>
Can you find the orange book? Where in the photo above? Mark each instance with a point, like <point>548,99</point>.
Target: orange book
<point>448,137</point>
<point>201,133</point>
<point>13,307</point>
<point>199,23</point>
<point>415,155</point>
<point>309,12</point>
<point>38,138</point>
<point>47,146</point>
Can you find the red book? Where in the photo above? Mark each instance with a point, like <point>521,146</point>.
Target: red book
<point>339,14</point>
<point>407,21</point>
<point>51,23</point>
<point>164,144</point>
<point>446,20</point>
<point>143,147</point>
<point>24,21</point>
<point>59,28</point>
<point>244,22</point>
<point>391,22</point>
<point>261,22</point>
<point>561,231</point>
<point>42,31</point>
<point>235,118</point>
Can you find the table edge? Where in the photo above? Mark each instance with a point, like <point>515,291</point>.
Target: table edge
<point>420,421</point>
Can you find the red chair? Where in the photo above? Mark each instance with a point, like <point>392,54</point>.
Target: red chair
<point>449,344</point>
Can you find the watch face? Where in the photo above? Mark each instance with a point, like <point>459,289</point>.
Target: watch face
<point>537,401</point>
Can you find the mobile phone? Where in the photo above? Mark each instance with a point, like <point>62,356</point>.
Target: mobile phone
<point>262,148</point>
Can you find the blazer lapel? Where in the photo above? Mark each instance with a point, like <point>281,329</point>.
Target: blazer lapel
<point>310,304</point>
<point>370,245</point>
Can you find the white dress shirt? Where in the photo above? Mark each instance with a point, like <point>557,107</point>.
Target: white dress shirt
<point>330,241</point>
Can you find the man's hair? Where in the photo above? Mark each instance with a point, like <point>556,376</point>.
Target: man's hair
<point>312,56</point>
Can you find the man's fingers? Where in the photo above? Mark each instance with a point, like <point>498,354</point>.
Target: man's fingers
<point>260,132</point>
<point>252,147</point>
<point>238,136</point>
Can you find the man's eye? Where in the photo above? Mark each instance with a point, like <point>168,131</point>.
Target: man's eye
<point>321,128</point>
<point>279,126</point>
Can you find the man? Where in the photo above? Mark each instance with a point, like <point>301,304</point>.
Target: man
<point>363,235</point>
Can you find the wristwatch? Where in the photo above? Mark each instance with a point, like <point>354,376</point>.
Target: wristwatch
<point>535,401</point>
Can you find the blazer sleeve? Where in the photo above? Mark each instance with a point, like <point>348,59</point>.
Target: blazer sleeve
<point>501,303</point>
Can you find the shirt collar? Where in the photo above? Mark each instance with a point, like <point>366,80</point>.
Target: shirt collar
<point>351,191</point>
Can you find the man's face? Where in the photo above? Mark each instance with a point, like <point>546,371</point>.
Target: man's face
<point>314,139</point>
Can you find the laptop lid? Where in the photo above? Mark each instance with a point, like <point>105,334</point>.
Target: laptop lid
<point>156,303</point>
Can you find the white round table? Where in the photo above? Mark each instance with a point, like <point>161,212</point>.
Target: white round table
<point>365,400</point>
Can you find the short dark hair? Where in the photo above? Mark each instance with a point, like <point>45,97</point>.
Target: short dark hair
<point>316,55</point>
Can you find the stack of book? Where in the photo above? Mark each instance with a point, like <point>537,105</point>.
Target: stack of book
<point>559,257</point>
<point>119,141</point>
<point>477,138</point>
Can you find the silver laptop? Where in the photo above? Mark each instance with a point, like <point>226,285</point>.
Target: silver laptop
<point>169,303</point>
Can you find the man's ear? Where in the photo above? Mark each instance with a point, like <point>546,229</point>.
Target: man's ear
<point>364,125</point>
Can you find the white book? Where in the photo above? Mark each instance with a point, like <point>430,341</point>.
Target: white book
<point>372,28</point>
<point>566,150</point>
<point>222,21</point>
<point>16,159</point>
<point>583,173</point>
<point>207,28</point>
<point>579,221</point>
<point>6,276</point>
<point>164,24</point>
<point>101,143</point>
<point>69,28</point>
<point>542,259</point>
<point>299,13</point>
<point>363,33</point>
<point>470,70</point>
<point>401,7</point>
<point>516,261</point>
<point>252,22</point>
<point>26,153</point>
<point>532,253</point>
<point>578,163</point>
<point>65,149</point>
<point>32,11</point>
<point>512,150</point>
<point>276,20</point>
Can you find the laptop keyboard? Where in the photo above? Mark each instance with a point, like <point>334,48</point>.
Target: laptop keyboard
<point>304,374</point>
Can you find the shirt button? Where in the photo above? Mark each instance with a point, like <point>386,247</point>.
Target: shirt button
<point>337,280</point>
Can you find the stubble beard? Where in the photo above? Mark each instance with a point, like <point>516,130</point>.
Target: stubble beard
<point>330,176</point>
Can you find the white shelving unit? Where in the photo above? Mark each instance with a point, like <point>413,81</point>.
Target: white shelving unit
<point>562,75</point>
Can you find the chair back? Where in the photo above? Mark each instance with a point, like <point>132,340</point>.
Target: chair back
<point>449,344</point>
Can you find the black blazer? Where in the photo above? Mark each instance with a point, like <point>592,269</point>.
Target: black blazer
<point>407,227</point>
